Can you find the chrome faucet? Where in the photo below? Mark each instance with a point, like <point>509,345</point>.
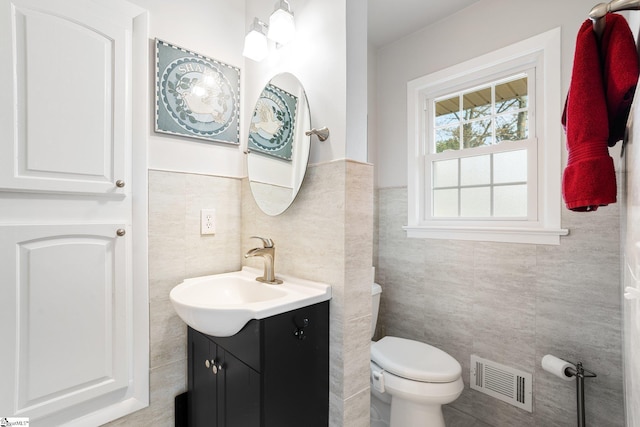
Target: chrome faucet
<point>268,252</point>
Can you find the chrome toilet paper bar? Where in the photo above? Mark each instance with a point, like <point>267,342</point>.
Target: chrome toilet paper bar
<point>567,371</point>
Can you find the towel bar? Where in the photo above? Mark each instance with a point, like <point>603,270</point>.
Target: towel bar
<point>600,10</point>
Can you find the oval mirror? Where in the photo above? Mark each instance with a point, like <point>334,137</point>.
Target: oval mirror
<point>277,145</point>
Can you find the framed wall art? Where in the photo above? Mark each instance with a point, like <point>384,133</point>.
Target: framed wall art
<point>273,123</point>
<point>196,96</point>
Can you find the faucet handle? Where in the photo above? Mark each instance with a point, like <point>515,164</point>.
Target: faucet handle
<point>267,243</point>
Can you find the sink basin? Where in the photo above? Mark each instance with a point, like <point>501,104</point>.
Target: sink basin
<point>221,304</point>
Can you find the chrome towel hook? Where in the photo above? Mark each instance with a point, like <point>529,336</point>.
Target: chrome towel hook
<point>322,133</point>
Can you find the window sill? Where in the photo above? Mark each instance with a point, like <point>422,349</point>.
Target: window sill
<point>538,236</point>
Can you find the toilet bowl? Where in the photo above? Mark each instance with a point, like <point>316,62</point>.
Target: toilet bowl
<point>410,380</point>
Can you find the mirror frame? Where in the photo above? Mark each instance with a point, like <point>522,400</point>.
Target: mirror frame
<point>277,146</point>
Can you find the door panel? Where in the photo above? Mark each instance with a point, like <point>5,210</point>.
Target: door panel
<point>73,295</point>
<point>67,295</point>
<point>78,62</point>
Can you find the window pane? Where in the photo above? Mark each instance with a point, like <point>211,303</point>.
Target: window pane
<point>475,202</point>
<point>510,201</point>
<point>512,95</point>
<point>510,166</point>
<point>512,127</point>
<point>476,104</point>
<point>445,173</point>
<point>448,111</point>
<point>445,203</point>
<point>475,170</point>
<point>447,139</point>
<point>477,134</point>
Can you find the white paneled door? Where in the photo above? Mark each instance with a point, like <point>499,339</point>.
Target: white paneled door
<point>73,288</point>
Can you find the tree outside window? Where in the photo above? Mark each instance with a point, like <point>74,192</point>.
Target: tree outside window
<point>485,116</point>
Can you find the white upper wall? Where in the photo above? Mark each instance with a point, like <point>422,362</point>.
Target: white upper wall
<point>213,28</point>
<point>317,57</point>
<point>481,28</point>
<point>357,90</point>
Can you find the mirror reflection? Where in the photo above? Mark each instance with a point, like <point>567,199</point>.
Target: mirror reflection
<point>277,145</point>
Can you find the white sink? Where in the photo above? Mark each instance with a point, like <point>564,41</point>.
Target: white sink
<point>221,304</point>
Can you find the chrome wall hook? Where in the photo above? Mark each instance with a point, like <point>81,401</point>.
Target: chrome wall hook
<point>322,133</point>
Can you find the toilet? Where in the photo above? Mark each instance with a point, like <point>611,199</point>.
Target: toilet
<point>410,380</point>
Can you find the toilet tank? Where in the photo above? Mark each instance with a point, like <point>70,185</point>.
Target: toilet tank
<point>376,290</point>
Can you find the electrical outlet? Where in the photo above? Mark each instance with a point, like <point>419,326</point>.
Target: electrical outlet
<point>207,221</point>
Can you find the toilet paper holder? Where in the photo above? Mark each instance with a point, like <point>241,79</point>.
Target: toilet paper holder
<point>580,373</point>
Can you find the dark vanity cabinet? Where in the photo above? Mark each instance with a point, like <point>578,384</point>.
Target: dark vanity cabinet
<point>223,390</point>
<point>273,373</point>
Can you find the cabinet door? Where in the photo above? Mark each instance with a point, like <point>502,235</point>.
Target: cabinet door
<point>203,392</point>
<point>239,391</point>
<point>296,371</point>
<point>64,296</point>
<point>65,69</point>
<point>228,396</point>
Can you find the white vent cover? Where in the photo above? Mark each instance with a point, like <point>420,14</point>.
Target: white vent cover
<point>502,382</point>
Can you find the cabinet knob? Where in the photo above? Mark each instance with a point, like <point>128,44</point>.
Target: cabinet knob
<point>119,183</point>
<point>120,232</point>
<point>299,332</point>
<point>216,367</point>
<point>207,364</point>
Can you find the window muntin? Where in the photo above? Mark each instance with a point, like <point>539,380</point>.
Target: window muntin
<point>493,185</point>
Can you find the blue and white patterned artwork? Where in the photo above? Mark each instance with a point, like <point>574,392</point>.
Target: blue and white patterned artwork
<point>273,123</point>
<point>196,96</point>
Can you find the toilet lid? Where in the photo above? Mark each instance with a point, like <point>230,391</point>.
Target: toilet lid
<point>415,360</point>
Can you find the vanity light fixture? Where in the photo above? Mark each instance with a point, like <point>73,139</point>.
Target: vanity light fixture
<point>282,26</point>
<point>255,42</point>
<point>281,30</point>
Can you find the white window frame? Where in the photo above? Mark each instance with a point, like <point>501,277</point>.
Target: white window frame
<point>540,56</point>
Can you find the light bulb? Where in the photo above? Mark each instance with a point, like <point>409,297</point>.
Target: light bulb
<point>255,42</point>
<point>282,26</point>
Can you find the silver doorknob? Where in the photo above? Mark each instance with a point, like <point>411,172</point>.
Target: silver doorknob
<point>119,183</point>
<point>120,232</point>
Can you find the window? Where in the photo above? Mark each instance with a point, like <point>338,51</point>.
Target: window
<point>479,144</point>
<point>484,147</point>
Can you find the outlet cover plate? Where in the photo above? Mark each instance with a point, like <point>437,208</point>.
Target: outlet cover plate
<point>207,221</point>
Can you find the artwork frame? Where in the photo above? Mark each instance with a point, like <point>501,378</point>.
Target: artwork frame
<point>196,96</point>
<point>276,107</point>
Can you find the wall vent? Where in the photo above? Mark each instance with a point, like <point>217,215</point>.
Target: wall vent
<point>502,382</point>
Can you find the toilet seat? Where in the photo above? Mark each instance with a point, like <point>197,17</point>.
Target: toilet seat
<point>414,360</point>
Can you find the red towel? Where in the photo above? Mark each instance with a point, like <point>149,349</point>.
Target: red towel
<point>600,95</point>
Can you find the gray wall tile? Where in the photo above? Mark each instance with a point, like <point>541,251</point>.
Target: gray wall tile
<point>513,304</point>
